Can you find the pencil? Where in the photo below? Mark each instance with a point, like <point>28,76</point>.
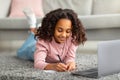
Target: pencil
<point>59,58</point>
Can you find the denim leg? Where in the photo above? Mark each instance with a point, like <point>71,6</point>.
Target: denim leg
<point>28,48</point>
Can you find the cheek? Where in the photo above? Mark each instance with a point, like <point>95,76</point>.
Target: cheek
<point>68,35</point>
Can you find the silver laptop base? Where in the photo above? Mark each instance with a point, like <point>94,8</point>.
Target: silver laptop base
<point>90,73</point>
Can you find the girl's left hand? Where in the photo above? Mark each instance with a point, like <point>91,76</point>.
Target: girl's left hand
<point>71,66</point>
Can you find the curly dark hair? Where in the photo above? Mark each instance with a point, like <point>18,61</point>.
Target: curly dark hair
<point>46,31</point>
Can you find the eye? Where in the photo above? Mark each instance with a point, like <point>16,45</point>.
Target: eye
<point>68,31</point>
<point>59,30</point>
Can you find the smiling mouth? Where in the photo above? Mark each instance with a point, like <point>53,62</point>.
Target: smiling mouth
<point>62,39</point>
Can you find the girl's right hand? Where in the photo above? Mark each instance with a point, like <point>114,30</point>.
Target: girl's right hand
<point>60,67</point>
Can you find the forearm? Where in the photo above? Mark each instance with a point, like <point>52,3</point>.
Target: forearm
<point>49,66</point>
<point>69,59</point>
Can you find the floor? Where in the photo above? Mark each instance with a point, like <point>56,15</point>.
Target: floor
<point>13,68</point>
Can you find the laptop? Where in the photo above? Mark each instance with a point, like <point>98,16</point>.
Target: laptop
<point>108,60</point>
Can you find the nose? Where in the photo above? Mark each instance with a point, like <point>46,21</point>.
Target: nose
<point>64,34</point>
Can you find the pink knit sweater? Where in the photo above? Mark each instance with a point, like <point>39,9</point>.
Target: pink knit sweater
<point>46,52</point>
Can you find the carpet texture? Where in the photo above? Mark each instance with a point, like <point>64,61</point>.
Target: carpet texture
<point>13,68</point>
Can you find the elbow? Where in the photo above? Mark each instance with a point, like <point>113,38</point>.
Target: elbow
<point>40,65</point>
<point>37,66</point>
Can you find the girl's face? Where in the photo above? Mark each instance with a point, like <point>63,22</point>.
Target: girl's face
<point>62,30</point>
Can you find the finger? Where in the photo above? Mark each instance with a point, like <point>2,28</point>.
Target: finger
<point>61,67</point>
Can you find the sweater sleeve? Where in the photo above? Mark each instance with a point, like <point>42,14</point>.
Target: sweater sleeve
<point>40,55</point>
<point>70,57</point>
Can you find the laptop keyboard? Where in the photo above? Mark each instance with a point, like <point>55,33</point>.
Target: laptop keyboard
<point>91,73</point>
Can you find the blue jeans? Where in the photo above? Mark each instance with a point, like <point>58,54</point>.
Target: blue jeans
<point>28,48</point>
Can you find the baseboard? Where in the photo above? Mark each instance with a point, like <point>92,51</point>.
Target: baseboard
<point>88,47</point>
<point>10,45</point>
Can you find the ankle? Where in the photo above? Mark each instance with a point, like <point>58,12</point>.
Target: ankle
<point>34,30</point>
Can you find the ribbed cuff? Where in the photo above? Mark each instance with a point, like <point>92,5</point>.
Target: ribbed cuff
<point>32,25</point>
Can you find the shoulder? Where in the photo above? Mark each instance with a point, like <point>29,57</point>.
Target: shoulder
<point>42,43</point>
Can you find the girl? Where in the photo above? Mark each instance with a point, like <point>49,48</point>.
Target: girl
<point>57,39</point>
